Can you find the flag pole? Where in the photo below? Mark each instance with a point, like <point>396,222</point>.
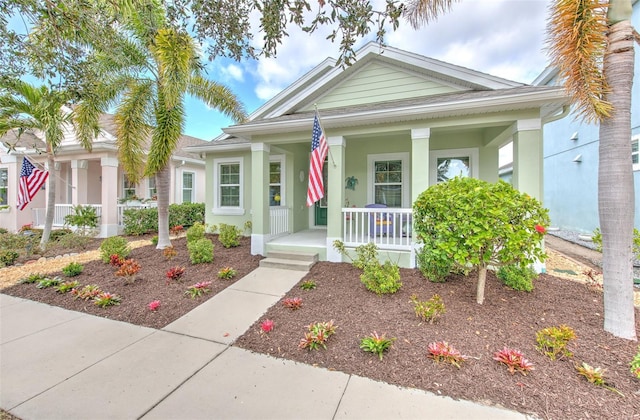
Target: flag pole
<point>315,105</point>
<point>38,164</point>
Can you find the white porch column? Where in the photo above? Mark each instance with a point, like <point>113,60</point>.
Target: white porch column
<point>260,220</point>
<point>419,174</point>
<point>335,200</point>
<point>79,181</point>
<point>109,188</point>
<point>528,157</point>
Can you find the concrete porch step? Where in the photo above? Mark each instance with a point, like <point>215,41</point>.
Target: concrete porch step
<point>298,261</point>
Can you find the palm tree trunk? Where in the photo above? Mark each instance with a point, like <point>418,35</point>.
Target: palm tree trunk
<point>51,201</point>
<point>615,186</point>
<point>163,180</point>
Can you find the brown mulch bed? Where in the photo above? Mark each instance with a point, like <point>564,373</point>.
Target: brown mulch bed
<point>507,318</point>
<point>150,283</point>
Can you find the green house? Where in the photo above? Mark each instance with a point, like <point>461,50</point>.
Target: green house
<point>395,122</point>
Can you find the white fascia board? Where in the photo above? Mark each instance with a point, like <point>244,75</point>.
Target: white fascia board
<point>479,105</point>
<point>547,74</point>
<point>219,147</point>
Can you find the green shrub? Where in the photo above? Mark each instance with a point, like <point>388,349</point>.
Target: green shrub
<point>140,221</point>
<point>114,245</point>
<point>74,241</point>
<point>13,241</point>
<point>186,214</point>
<point>200,251</point>
<point>154,240</point>
<point>597,240</point>
<point>381,279</point>
<point>58,234</point>
<point>428,310</point>
<point>476,224</point>
<point>229,235</point>
<point>517,277</point>
<point>8,257</point>
<point>195,232</point>
<point>3,230</point>
<point>432,267</point>
<point>72,269</point>
<point>553,341</point>
<point>84,218</point>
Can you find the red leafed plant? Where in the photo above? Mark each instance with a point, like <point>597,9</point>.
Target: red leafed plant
<point>174,273</point>
<point>441,351</point>
<point>176,230</point>
<point>266,325</point>
<point>129,268</point>
<point>154,305</point>
<point>116,260</point>
<point>514,359</point>
<point>292,303</point>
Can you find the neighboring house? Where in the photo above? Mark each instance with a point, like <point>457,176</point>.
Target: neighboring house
<point>93,178</point>
<point>396,122</point>
<point>571,159</point>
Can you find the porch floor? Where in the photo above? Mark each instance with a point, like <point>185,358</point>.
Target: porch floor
<point>307,238</point>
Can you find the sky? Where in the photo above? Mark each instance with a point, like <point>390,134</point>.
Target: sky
<point>505,38</point>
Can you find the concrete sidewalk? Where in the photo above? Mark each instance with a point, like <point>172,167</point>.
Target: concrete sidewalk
<point>60,364</point>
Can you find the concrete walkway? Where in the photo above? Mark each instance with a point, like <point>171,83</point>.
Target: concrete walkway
<point>60,364</point>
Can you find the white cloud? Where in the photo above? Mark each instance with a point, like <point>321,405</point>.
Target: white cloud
<point>233,71</point>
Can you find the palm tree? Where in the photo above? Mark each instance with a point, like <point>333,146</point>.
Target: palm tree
<point>146,75</point>
<point>591,43</point>
<point>24,106</point>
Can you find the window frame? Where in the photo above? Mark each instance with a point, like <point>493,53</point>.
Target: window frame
<point>125,179</point>
<point>636,139</point>
<point>4,197</point>
<point>403,157</point>
<point>227,210</point>
<point>472,153</point>
<point>192,189</point>
<point>282,184</point>
<point>152,191</point>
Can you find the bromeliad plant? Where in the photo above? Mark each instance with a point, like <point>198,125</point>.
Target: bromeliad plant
<point>595,375</point>
<point>514,360</point>
<point>428,310</point>
<point>376,344</point>
<point>33,278</point>
<point>88,292</point>
<point>72,269</point>
<point>48,282</point>
<point>169,252</point>
<point>128,270</point>
<point>105,299</point>
<point>441,351</point>
<point>174,273</point>
<point>198,289</point>
<point>227,273</point>
<point>154,305</point>
<point>266,326</point>
<point>308,285</point>
<point>553,341</point>
<point>635,365</point>
<point>67,286</point>
<point>317,335</point>
<point>469,223</point>
<point>292,303</point>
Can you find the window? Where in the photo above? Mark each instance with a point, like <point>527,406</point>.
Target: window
<point>4,186</point>
<point>447,164</point>
<point>276,181</point>
<point>187,187</point>
<point>128,187</point>
<point>389,179</point>
<point>227,178</point>
<point>635,152</point>
<point>153,191</point>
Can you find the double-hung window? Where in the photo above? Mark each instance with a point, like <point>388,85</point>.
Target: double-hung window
<point>276,181</point>
<point>389,179</point>
<point>228,181</point>
<point>187,187</point>
<point>153,191</point>
<point>128,187</point>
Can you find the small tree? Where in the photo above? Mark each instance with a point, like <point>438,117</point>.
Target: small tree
<point>475,224</point>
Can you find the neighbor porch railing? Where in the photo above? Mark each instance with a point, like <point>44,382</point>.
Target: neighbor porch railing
<point>389,228</point>
<point>279,219</point>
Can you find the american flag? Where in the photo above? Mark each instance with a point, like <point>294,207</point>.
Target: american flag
<point>319,151</point>
<point>31,179</point>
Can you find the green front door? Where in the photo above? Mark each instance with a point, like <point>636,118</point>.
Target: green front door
<point>320,206</point>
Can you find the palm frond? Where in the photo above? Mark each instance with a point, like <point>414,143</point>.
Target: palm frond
<point>174,52</point>
<point>132,121</point>
<point>166,135</point>
<point>576,42</point>
<point>217,96</point>
<point>424,11</point>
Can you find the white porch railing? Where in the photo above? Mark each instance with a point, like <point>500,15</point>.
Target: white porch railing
<point>61,210</point>
<point>389,228</point>
<point>123,207</point>
<point>279,218</point>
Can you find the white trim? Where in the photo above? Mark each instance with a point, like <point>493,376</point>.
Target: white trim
<point>336,141</point>
<point>420,133</point>
<point>227,210</point>
<point>258,244</point>
<point>527,125</point>
<point>260,147</point>
<point>472,153</point>
<point>332,254</point>
<point>406,174</point>
<point>636,166</point>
